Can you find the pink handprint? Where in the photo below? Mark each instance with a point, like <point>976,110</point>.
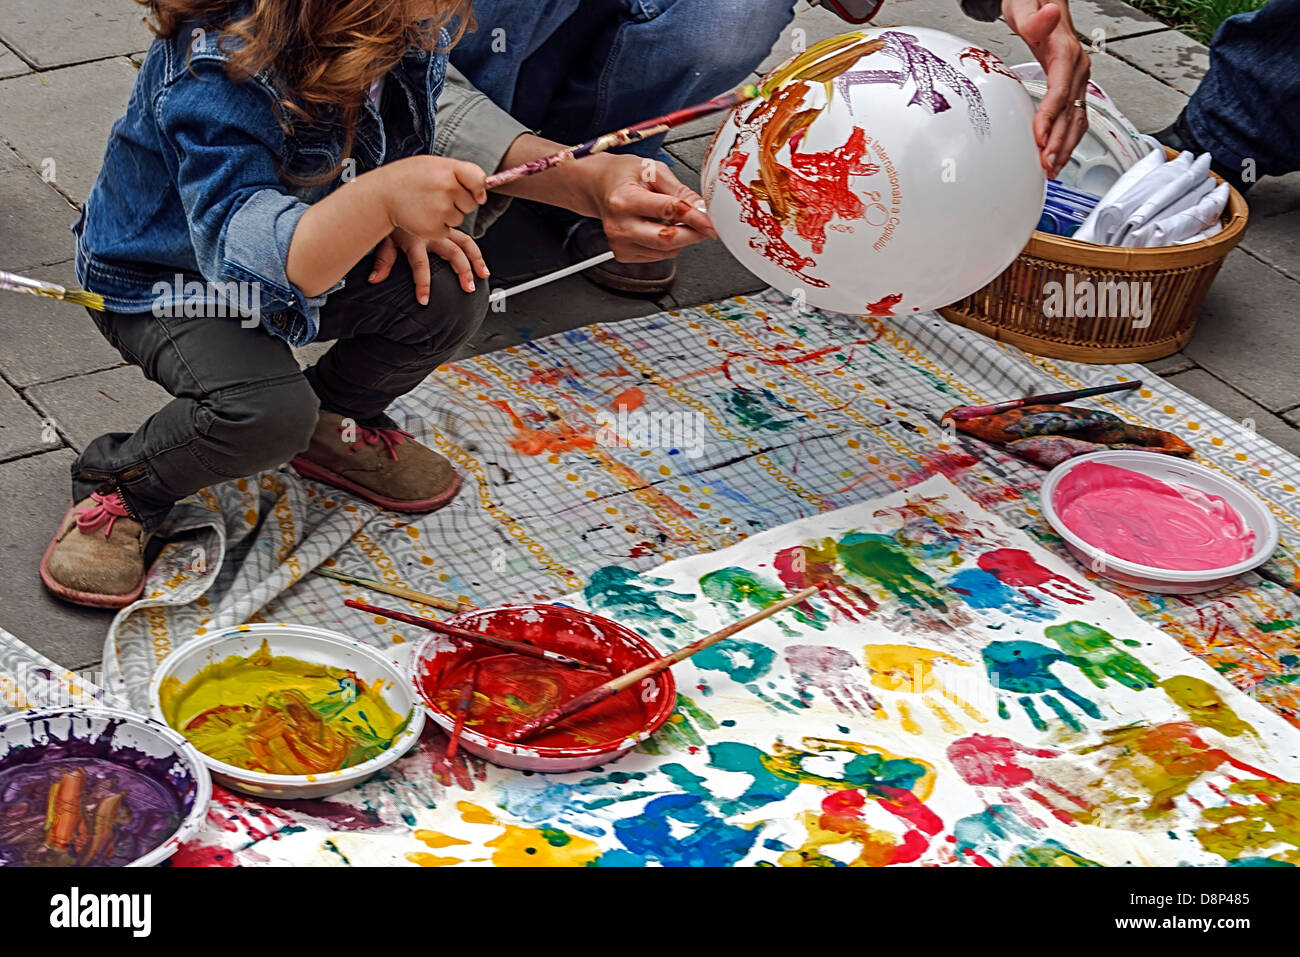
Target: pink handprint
<point>1017,568</point>
<point>834,672</point>
<point>814,563</point>
<point>987,761</point>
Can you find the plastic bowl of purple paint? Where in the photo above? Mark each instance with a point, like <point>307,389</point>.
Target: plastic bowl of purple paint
<point>1156,522</point>
<point>96,787</point>
<point>508,689</point>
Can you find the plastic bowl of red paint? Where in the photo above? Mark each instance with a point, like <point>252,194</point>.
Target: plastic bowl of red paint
<point>96,787</point>
<point>1168,537</point>
<point>509,689</point>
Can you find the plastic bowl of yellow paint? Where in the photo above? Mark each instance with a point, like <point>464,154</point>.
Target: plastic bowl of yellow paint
<point>323,710</point>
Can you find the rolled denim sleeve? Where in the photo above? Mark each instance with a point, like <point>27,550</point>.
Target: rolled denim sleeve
<point>225,146</point>
<point>471,127</point>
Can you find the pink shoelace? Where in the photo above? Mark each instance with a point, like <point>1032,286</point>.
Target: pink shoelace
<point>106,510</point>
<point>389,438</point>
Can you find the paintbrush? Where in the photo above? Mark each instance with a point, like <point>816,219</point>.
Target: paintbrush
<point>397,591</point>
<point>498,294</point>
<point>478,637</point>
<point>631,134</point>
<point>51,290</point>
<point>963,412</point>
<point>462,714</point>
<point>612,687</point>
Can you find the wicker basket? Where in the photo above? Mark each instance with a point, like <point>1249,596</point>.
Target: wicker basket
<point>1011,308</point>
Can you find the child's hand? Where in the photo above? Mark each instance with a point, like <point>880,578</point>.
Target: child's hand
<point>428,196</point>
<point>455,248</point>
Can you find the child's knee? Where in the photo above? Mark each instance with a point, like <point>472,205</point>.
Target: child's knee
<point>260,425</point>
<point>452,315</point>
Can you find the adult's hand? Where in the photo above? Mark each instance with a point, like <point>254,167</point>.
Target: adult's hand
<point>648,213</point>
<point>1045,27</point>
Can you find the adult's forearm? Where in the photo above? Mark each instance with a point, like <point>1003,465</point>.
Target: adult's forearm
<point>575,185</point>
<point>333,235</point>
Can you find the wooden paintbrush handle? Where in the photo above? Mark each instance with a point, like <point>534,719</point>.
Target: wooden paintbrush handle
<point>478,637</point>
<point>648,670</point>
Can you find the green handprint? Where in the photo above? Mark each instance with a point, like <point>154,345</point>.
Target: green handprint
<point>1093,651</point>
<point>682,729</point>
<point>1025,668</point>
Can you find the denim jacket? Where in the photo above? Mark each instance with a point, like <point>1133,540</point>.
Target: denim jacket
<point>191,182</point>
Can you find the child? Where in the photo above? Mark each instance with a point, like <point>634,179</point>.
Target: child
<point>267,148</point>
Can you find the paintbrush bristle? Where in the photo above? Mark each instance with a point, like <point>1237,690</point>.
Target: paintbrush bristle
<point>80,297</point>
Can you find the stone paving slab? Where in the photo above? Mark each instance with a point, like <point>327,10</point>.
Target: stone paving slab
<point>1246,334</point>
<point>34,493</point>
<point>11,64</point>
<point>34,221</point>
<point>9,160</point>
<point>1148,103</point>
<point>1232,403</point>
<point>116,400</point>
<point>707,272</point>
<point>1276,240</point>
<point>1103,20</point>
<point>21,429</point>
<point>1170,56</point>
<point>47,340</point>
<point>65,115</point>
<point>1171,365</point>
<point>1273,195</point>
<point>53,33</point>
<point>691,151</point>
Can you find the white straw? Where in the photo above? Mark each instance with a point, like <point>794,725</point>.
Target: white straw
<point>498,294</point>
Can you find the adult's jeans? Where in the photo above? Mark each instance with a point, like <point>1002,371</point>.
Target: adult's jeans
<point>573,69</point>
<point>1246,106</point>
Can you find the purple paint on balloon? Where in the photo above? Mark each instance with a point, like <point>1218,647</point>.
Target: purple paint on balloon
<point>88,801</point>
<point>927,71</point>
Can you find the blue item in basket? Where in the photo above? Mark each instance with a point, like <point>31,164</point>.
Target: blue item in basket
<point>1064,209</point>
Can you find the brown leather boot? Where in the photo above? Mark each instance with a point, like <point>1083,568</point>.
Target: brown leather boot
<point>368,463</point>
<point>97,556</point>
<point>588,239</point>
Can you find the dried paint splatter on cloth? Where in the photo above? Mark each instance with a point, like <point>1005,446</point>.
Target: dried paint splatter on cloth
<point>594,456</point>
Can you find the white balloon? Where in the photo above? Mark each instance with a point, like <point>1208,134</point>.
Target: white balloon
<point>884,172</point>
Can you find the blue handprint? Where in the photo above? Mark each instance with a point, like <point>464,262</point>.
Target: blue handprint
<point>984,592</point>
<point>1025,668</point>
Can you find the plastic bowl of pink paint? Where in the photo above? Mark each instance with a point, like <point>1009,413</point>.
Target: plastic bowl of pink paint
<point>1155,522</point>
<point>508,689</point>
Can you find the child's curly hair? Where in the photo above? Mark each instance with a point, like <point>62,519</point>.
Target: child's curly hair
<point>324,54</point>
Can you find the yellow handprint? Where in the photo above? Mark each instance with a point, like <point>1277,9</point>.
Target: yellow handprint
<point>910,671</point>
<point>514,847</point>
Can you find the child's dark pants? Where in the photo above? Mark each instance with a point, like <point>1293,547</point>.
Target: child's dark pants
<point>241,402</point>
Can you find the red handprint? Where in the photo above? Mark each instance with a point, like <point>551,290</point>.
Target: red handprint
<point>986,761</point>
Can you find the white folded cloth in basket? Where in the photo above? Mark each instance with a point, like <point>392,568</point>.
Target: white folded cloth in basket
<point>1158,203</point>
